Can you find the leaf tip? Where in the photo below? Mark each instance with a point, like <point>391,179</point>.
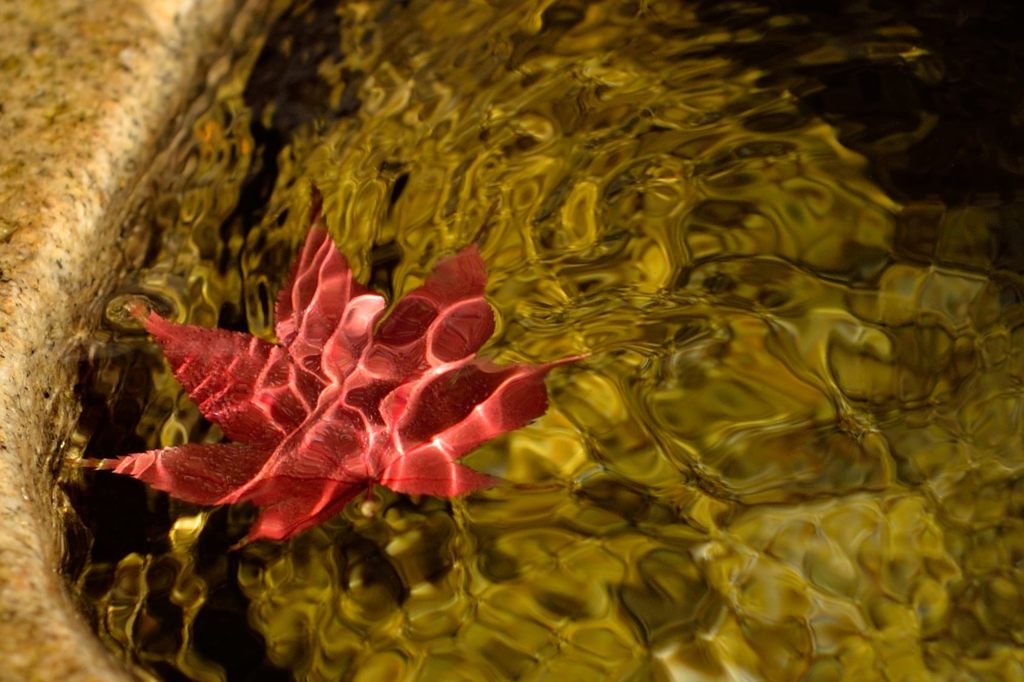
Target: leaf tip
<point>97,464</point>
<point>569,360</point>
<point>241,544</point>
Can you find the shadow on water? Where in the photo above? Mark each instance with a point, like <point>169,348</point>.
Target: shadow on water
<point>928,91</point>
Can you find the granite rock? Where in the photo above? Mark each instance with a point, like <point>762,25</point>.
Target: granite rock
<point>89,92</point>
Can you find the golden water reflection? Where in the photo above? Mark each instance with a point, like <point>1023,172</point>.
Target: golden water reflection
<point>792,454</point>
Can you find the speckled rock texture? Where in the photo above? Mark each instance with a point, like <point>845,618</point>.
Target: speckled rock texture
<point>89,93</point>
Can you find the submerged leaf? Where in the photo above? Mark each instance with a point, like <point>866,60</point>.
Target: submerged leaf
<point>343,402</point>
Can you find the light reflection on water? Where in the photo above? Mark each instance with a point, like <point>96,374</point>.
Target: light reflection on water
<point>794,452</point>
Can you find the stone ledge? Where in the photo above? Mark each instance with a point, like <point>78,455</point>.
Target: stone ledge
<point>90,89</point>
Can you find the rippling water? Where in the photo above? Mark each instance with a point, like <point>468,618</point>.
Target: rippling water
<point>791,243</point>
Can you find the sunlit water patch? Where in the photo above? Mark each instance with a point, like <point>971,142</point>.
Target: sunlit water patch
<point>793,452</point>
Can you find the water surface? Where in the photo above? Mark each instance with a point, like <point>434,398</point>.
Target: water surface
<point>790,245</point>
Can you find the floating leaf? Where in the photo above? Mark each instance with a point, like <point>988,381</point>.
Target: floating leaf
<point>350,397</point>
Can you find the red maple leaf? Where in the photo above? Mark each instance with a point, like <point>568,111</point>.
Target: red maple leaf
<point>342,401</point>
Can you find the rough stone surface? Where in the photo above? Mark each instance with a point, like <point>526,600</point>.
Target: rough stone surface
<point>89,91</point>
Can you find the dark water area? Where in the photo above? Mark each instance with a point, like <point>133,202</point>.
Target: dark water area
<point>927,92</point>
<point>789,237</point>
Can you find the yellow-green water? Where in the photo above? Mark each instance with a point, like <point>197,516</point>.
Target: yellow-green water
<point>795,449</point>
